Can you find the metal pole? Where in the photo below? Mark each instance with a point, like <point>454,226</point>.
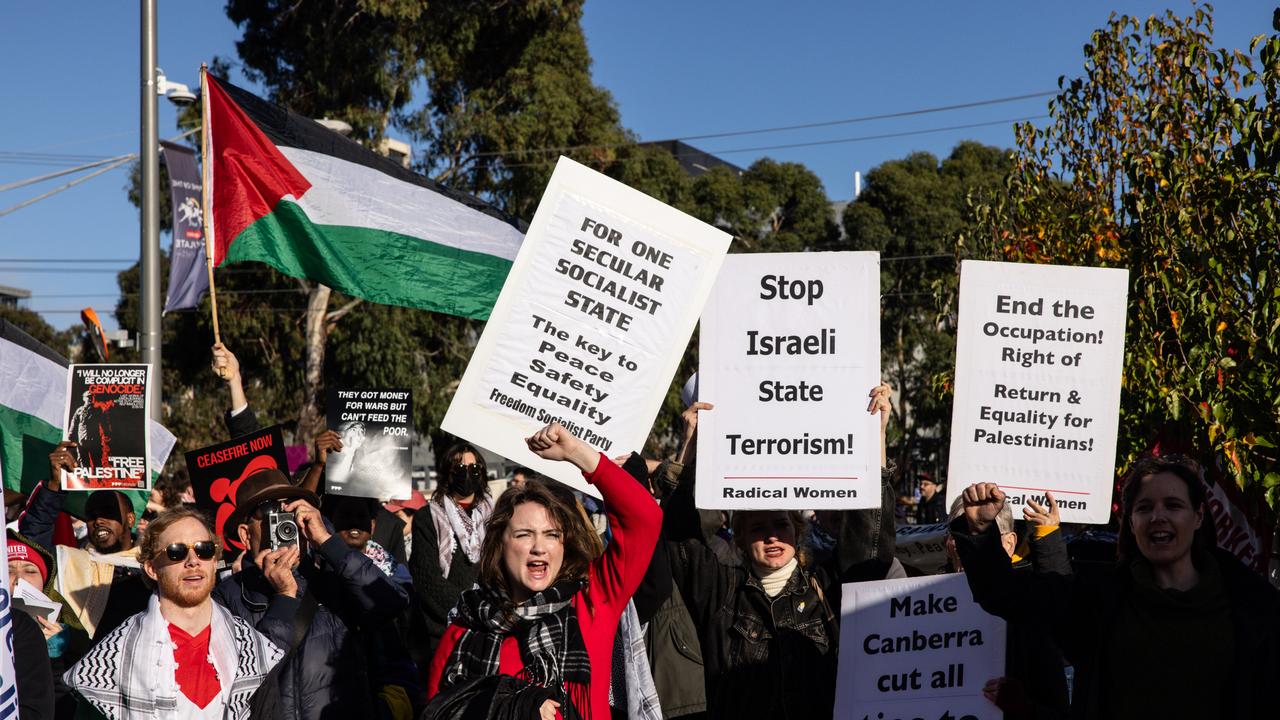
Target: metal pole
<point>149,153</point>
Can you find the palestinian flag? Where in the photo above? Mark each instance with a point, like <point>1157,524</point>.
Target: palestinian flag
<point>33,400</point>
<point>288,192</point>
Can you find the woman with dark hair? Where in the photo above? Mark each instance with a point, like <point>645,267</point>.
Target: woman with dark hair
<point>535,638</point>
<point>768,626</point>
<point>447,537</point>
<point>1179,628</point>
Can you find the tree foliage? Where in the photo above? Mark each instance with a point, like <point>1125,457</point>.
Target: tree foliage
<point>509,89</point>
<point>912,211</point>
<point>1164,158</point>
<point>771,207</point>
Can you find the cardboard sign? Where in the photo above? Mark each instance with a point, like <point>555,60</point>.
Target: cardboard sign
<point>218,470</point>
<point>790,348</point>
<point>591,323</point>
<point>377,429</point>
<point>106,416</point>
<point>1039,355</point>
<point>917,648</point>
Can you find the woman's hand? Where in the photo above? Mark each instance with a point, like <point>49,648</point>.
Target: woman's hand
<point>689,443</point>
<point>880,395</point>
<point>548,710</point>
<point>555,443</point>
<point>48,628</point>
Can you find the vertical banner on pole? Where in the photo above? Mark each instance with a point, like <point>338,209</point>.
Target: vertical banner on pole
<point>591,323</point>
<point>1039,355</point>
<point>789,350</point>
<point>187,277</point>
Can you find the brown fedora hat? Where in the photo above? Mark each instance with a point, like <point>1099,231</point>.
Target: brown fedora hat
<point>264,485</point>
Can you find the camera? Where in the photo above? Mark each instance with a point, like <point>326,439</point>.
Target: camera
<point>282,528</point>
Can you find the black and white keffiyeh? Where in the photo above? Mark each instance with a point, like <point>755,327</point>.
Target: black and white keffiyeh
<point>546,625</point>
<point>455,526</point>
<point>130,673</point>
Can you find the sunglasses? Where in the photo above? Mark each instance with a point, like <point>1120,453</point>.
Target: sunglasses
<point>468,470</point>
<point>205,550</point>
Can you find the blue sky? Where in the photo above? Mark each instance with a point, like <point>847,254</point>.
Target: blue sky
<point>676,69</point>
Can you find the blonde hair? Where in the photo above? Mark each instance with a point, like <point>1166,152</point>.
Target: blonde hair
<point>150,546</point>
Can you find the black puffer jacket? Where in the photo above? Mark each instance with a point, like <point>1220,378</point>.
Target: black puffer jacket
<point>327,674</point>
<point>772,657</point>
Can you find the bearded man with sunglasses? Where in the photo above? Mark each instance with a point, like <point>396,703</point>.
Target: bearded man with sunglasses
<point>447,537</point>
<point>184,656</point>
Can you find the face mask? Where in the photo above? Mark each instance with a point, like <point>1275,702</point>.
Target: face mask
<point>466,479</point>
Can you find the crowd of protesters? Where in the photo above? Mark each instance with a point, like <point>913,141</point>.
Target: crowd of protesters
<point>532,601</point>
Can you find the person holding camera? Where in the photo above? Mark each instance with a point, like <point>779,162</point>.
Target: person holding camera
<point>306,590</point>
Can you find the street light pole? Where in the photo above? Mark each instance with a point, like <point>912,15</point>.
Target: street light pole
<point>149,334</point>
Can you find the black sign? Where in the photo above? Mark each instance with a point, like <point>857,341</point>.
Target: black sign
<point>218,470</point>
<point>377,430</point>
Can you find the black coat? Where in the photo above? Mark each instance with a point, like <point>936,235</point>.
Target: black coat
<point>326,677</point>
<point>434,595</point>
<point>772,657</point>
<point>35,675</point>
<point>1081,612</point>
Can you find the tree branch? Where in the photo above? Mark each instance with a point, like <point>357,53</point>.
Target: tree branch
<point>336,315</point>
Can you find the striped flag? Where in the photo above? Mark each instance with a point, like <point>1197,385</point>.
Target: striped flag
<point>33,399</point>
<point>313,204</point>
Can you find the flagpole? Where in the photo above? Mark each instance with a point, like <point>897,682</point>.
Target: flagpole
<point>206,172</point>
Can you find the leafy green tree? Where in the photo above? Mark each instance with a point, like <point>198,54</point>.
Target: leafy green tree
<point>509,89</point>
<point>30,322</point>
<point>911,211</point>
<point>1163,158</point>
<point>771,207</point>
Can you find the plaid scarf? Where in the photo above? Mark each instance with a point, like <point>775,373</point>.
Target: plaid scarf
<point>552,648</point>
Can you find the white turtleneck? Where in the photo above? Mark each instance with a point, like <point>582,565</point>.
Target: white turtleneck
<point>774,580</point>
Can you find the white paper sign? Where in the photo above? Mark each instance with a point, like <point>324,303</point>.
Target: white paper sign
<point>1039,355</point>
<point>591,323</point>
<point>789,350</point>
<point>917,648</point>
<point>923,547</point>
<point>8,673</point>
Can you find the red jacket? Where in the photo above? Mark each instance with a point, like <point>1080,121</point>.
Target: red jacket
<point>634,519</point>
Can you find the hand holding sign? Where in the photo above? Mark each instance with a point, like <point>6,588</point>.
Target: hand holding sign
<point>982,503</point>
<point>61,460</point>
<point>326,441</point>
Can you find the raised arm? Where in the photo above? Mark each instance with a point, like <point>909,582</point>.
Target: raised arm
<point>1021,596</point>
<point>634,517</point>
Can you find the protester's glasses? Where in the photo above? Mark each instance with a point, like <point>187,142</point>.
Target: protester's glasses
<point>471,470</point>
<point>205,550</point>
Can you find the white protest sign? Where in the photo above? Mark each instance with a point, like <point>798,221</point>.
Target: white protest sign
<point>591,323</point>
<point>923,547</point>
<point>1039,354</point>
<point>917,648</point>
<point>789,350</point>
<point>8,673</point>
